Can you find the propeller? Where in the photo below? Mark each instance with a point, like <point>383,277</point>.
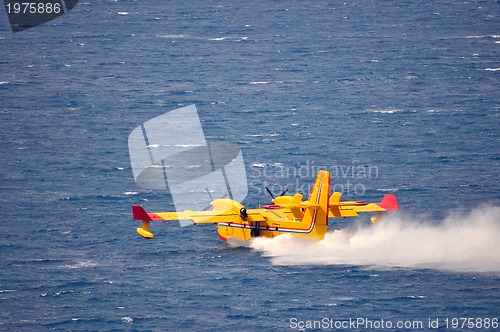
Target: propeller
<point>271,194</point>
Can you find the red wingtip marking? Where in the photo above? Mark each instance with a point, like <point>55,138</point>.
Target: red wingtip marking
<point>389,202</point>
<point>140,214</point>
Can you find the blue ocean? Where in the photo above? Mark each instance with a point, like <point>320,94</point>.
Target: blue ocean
<point>390,97</point>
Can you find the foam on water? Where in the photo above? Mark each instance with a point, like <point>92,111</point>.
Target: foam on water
<point>460,242</point>
<point>80,265</point>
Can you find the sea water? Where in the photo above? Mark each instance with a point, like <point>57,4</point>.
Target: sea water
<point>391,97</point>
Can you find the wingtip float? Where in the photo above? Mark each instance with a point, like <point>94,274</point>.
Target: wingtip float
<point>287,214</point>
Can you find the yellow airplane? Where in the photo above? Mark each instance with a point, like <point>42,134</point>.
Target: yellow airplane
<point>287,214</point>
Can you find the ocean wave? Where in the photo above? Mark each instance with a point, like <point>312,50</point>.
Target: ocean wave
<point>481,36</point>
<point>260,165</point>
<point>386,111</point>
<point>231,38</point>
<point>171,36</point>
<point>79,265</point>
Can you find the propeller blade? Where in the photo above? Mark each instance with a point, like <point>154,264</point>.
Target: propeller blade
<point>284,191</point>
<point>269,191</point>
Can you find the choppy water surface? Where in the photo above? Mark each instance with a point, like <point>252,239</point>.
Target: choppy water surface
<point>395,98</point>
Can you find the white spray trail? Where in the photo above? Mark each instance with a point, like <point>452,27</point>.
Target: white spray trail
<point>468,242</point>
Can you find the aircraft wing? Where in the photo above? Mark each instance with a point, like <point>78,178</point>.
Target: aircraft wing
<point>223,210</point>
<point>197,217</point>
<point>352,208</point>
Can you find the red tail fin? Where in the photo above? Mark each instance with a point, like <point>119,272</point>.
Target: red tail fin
<point>389,202</point>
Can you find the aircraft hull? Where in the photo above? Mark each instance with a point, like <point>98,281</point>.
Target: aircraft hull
<point>247,231</point>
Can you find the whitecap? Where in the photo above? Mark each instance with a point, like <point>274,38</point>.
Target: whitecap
<point>481,36</point>
<point>127,320</point>
<point>79,265</point>
<point>171,36</point>
<point>235,38</point>
<point>387,111</point>
<point>388,189</point>
<point>261,165</point>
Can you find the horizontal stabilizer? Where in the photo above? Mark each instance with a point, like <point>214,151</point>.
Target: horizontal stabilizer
<point>296,199</point>
<point>291,202</point>
<point>335,198</point>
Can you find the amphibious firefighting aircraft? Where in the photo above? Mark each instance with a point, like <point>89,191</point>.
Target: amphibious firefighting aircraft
<point>287,214</point>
